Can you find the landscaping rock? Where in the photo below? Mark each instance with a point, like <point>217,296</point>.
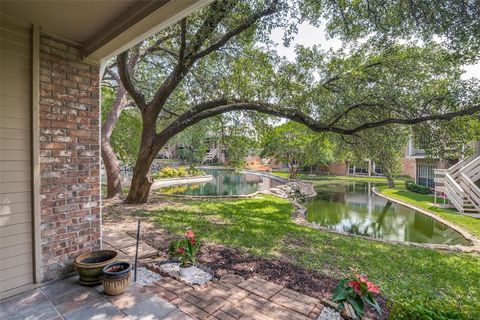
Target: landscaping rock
<point>329,314</point>
<point>199,277</point>
<point>146,277</point>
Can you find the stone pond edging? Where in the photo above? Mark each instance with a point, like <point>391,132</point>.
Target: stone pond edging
<point>305,187</point>
<point>299,216</point>
<point>158,183</point>
<point>467,235</point>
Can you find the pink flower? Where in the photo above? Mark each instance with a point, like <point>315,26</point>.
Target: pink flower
<point>190,234</point>
<point>181,250</point>
<point>372,288</point>
<point>355,285</point>
<point>363,279</point>
<point>192,241</point>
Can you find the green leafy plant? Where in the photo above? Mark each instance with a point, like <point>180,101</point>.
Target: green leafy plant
<point>412,186</point>
<point>356,290</point>
<point>169,172</point>
<point>185,249</point>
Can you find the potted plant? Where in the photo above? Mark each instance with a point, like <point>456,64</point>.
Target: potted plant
<point>89,265</point>
<point>185,249</point>
<point>116,278</point>
<point>356,290</point>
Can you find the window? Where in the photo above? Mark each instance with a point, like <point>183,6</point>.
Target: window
<point>358,168</point>
<point>378,171</point>
<point>425,176</point>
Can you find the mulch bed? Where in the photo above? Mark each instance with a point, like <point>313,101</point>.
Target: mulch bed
<point>223,261</point>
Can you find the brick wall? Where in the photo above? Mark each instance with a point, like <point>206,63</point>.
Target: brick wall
<point>409,168</point>
<point>338,168</point>
<point>69,156</point>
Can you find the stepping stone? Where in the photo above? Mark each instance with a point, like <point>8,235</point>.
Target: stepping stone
<point>76,299</point>
<point>144,251</point>
<point>98,310</point>
<point>32,305</point>
<point>117,239</point>
<point>61,287</point>
<point>152,308</point>
<point>177,315</point>
<point>106,246</point>
<point>134,295</point>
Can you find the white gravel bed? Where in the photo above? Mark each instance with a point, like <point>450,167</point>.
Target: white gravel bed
<point>146,277</point>
<point>199,277</point>
<point>329,314</point>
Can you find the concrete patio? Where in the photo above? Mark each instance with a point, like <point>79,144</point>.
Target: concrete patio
<point>231,297</point>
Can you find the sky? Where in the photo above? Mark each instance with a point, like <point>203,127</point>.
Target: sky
<point>309,35</point>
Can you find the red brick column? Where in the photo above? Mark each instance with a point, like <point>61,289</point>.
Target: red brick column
<point>409,167</point>
<point>69,156</point>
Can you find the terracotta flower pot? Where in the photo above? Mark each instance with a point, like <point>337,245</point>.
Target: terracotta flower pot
<point>89,265</point>
<point>116,278</point>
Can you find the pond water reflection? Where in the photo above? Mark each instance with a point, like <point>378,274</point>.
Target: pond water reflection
<point>225,182</point>
<point>352,207</point>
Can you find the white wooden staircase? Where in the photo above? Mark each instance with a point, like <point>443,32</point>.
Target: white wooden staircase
<point>212,154</point>
<point>458,184</point>
<point>165,153</point>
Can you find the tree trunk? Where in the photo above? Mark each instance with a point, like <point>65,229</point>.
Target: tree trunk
<point>149,148</point>
<point>141,183</point>
<point>110,160</point>
<point>112,168</point>
<point>391,182</point>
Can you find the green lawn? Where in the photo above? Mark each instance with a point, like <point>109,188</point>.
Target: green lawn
<point>319,179</point>
<point>427,202</point>
<point>423,283</point>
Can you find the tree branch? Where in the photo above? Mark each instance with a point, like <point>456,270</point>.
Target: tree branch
<point>216,107</point>
<point>434,117</point>
<point>219,9</point>
<point>124,73</point>
<point>232,33</point>
<point>183,40</point>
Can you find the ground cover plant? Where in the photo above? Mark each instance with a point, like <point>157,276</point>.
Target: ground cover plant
<point>418,283</point>
<point>170,172</point>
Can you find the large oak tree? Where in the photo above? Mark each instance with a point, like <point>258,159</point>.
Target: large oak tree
<point>211,63</point>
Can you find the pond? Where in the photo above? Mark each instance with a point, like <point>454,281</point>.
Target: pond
<point>224,182</point>
<point>352,207</point>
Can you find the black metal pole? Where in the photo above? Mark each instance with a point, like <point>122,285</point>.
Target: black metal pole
<point>136,252</point>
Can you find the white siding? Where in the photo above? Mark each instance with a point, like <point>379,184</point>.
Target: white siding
<point>16,243</point>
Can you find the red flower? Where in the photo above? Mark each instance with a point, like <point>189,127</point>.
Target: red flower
<point>192,241</point>
<point>372,288</point>
<point>355,285</point>
<point>190,234</point>
<point>181,250</point>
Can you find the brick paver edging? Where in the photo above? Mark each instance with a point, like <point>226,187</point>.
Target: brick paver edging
<point>233,297</point>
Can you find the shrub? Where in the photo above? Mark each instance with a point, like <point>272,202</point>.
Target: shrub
<point>169,172</point>
<point>182,172</point>
<point>412,186</point>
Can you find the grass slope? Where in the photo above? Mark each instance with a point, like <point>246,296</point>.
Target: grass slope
<point>427,202</point>
<point>318,179</point>
<point>423,283</point>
